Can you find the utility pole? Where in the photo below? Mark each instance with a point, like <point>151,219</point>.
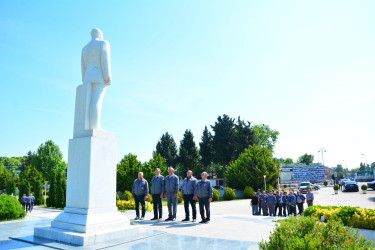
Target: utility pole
<point>322,150</point>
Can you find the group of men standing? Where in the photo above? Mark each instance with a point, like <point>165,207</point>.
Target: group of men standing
<point>27,202</point>
<point>192,191</point>
<point>280,203</point>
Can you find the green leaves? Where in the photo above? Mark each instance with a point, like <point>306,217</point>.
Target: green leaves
<point>189,156</point>
<point>167,148</point>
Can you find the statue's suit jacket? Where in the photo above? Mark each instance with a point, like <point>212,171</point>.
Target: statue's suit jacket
<point>95,62</point>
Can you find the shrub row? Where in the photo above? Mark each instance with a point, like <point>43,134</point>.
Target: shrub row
<point>130,205</point>
<point>308,233</point>
<point>349,216</point>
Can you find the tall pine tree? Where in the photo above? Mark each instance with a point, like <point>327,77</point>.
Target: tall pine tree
<point>38,193</point>
<point>52,190</point>
<point>205,148</point>
<point>189,155</point>
<point>167,148</point>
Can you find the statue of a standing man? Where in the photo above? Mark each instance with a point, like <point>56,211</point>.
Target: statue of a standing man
<point>96,72</point>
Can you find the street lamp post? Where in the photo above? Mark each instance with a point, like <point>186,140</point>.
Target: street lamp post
<point>345,166</point>
<point>322,150</point>
<point>365,159</point>
<point>264,176</point>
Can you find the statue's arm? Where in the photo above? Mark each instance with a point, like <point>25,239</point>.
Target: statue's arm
<point>106,62</point>
<point>83,67</point>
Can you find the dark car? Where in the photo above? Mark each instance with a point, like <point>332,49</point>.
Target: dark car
<point>371,185</point>
<point>218,187</point>
<point>350,186</point>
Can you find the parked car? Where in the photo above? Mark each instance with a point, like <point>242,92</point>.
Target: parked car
<point>315,187</point>
<point>219,187</point>
<point>350,186</point>
<point>303,186</point>
<point>342,182</point>
<point>371,185</point>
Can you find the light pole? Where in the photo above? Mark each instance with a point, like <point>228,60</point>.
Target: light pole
<point>264,176</point>
<point>345,167</point>
<point>322,150</point>
<point>365,159</point>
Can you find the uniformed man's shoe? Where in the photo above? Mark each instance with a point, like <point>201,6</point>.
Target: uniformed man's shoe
<point>142,218</point>
<point>169,219</point>
<point>193,220</point>
<point>136,218</point>
<point>186,219</point>
<point>207,221</point>
<point>154,218</point>
<point>203,221</point>
<point>174,219</point>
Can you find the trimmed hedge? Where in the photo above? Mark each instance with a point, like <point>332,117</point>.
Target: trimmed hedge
<point>349,216</point>
<point>336,187</point>
<point>130,205</point>
<point>248,192</point>
<point>308,233</point>
<point>10,208</point>
<point>216,195</point>
<point>149,198</point>
<point>127,196</point>
<point>229,194</point>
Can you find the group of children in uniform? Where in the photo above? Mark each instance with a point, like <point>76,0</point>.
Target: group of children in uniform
<point>280,203</point>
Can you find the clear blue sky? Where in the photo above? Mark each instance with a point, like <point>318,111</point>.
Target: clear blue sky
<point>306,69</point>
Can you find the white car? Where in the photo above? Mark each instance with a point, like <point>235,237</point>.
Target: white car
<point>303,186</point>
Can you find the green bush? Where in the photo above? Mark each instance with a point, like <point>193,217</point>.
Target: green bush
<point>130,205</point>
<point>349,216</point>
<point>11,187</point>
<point>308,233</point>
<point>336,187</point>
<point>149,198</point>
<point>10,208</point>
<point>248,192</point>
<point>127,196</point>
<point>60,199</point>
<point>270,187</point>
<point>364,187</point>
<point>117,197</point>
<point>325,183</point>
<point>216,195</point>
<point>179,197</point>
<point>229,194</point>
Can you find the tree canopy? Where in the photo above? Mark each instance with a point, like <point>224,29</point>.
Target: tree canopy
<point>188,154</point>
<point>264,136</point>
<point>306,159</point>
<point>167,148</point>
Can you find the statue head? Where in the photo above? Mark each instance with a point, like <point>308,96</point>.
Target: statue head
<point>96,34</point>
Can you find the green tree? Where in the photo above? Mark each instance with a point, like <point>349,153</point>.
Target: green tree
<point>306,159</point>
<point>60,191</point>
<point>249,168</point>
<point>362,167</point>
<point>372,166</point>
<point>205,148</point>
<point>189,155</point>
<point>38,193</point>
<point>148,168</point>
<point>243,137</point>
<point>24,188</point>
<point>167,148</point>
<point>265,136</point>
<point>127,172</point>
<point>11,187</point>
<point>52,190</point>
<point>5,176</point>
<point>339,168</point>
<point>12,164</point>
<point>48,159</point>
<point>26,160</point>
<point>31,174</point>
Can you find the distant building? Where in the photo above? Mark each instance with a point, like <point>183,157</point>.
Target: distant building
<point>364,176</point>
<point>291,173</point>
<point>328,172</point>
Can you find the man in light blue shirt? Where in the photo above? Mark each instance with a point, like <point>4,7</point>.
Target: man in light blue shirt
<point>139,193</point>
<point>189,185</point>
<point>171,191</point>
<point>157,191</point>
<point>203,194</point>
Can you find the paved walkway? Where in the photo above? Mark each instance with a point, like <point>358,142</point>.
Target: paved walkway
<point>232,226</point>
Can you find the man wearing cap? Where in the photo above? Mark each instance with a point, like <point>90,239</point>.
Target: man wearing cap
<point>203,194</point>
<point>292,203</point>
<point>157,190</point>
<point>309,197</point>
<point>189,185</point>
<point>263,204</point>
<point>139,193</point>
<point>271,203</point>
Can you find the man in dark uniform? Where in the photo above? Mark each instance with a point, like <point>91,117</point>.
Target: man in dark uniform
<point>283,204</point>
<point>23,202</point>
<point>157,190</point>
<point>171,192</point>
<point>189,185</point>
<point>139,193</point>
<point>277,203</point>
<point>258,195</point>
<point>203,194</point>
<point>271,203</point>
<point>32,199</point>
<point>263,203</point>
<point>292,203</point>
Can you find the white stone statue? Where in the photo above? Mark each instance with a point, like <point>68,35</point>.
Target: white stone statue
<point>96,73</point>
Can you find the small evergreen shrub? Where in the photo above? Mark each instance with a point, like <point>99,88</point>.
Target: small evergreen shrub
<point>117,197</point>
<point>364,187</point>
<point>229,194</point>
<point>24,188</point>
<point>325,183</point>
<point>11,187</point>
<point>38,193</point>
<point>127,196</point>
<point>10,208</point>
<point>336,187</point>
<point>248,192</point>
<point>308,233</point>
<point>216,195</point>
